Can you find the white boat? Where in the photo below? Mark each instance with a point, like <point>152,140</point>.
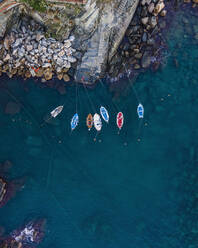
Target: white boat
<point>104,113</point>
<point>56,111</point>
<point>140,111</point>
<point>97,122</point>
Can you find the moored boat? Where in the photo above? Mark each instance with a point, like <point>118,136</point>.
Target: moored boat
<point>56,111</point>
<point>89,121</point>
<point>104,113</point>
<point>74,121</point>
<point>120,120</point>
<point>97,122</point>
<point>140,111</point>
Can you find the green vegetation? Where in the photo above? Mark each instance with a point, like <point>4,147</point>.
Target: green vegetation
<point>38,5</point>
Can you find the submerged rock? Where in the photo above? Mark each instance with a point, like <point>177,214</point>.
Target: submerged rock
<point>12,108</point>
<point>146,60</point>
<point>66,78</point>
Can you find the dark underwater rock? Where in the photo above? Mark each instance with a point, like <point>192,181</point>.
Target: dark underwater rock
<point>12,108</point>
<point>146,59</point>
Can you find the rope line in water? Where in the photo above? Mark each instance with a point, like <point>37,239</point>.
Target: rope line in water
<point>131,84</point>
<point>115,106</point>
<point>76,97</point>
<point>89,98</point>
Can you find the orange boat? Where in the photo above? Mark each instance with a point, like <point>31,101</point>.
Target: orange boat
<point>89,121</point>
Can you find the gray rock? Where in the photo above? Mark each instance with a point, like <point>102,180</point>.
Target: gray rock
<point>46,65</point>
<point>44,43</point>
<point>55,56</point>
<point>14,52</point>
<point>50,51</point>
<point>29,48</point>
<point>17,43</point>
<point>59,62</point>
<point>146,59</point>
<point>24,29</point>
<point>39,36</point>
<point>144,37</point>
<point>6,58</point>
<point>67,64</point>
<point>71,59</point>
<point>145,20</point>
<point>151,7</point>
<point>148,1</point>
<point>153,21</point>
<point>151,41</point>
<point>6,43</point>
<point>185,20</point>
<point>77,55</point>
<point>44,49</point>
<point>138,55</point>
<point>196,36</point>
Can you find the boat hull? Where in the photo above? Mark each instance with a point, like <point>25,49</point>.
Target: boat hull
<point>89,121</point>
<point>74,122</point>
<point>140,111</point>
<point>120,120</point>
<point>104,113</point>
<point>97,122</point>
<point>56,111</point>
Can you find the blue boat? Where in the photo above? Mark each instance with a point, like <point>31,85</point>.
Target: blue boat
<point>104,114</point>
<point>140,111</point>
<point>74,121</point>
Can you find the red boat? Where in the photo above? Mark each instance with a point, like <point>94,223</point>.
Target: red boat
<point>120,120</point>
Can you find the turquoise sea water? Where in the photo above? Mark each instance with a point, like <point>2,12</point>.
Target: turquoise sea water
<point>119,192</point>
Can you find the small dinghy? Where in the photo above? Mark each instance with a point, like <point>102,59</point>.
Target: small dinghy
<point>97,122</point>
<point>56,111</point>
<point>140,111</point>
<point>89,121</point>
<point>120,120</point>
<point>104,114</point>
<point>74,121</point>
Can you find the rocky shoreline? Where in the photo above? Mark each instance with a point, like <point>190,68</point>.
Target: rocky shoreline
<point>143,46</point>
<point>26,52</point>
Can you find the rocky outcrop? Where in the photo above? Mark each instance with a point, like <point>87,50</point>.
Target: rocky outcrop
<point>103,28</point>
<point>27,51</point>
<point>98,27</point>
<point>29,236</point>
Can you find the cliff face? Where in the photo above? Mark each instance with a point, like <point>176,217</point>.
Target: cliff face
<point>100,31</point>
<point>98,26</point>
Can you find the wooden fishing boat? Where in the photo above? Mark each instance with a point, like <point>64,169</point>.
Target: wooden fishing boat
<point>140,111</point>
<point>97,122</point>
<point>120,120</point>
<point>89,121</point>
<point>74,121</point>
<point>104,113</point>
<point>56,111</point>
